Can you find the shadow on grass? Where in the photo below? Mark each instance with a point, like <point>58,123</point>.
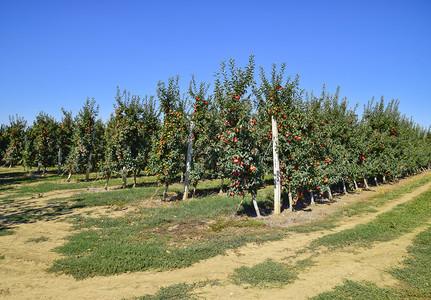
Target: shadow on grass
<point>200,193</point>
<point>22,177</point>
<point>22,213</point>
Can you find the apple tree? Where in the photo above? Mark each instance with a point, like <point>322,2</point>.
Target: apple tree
<point>129,133</point>
<point>45,140</point>
<point>84,135</point>
<point>200,152</point>
<point>170,147</point>
<point>240,156</point>
<point>16,135</point>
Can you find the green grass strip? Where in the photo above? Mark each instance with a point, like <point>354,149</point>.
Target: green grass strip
<point>416,274</point>
<point>415,278</point>
<point>359,291</point>
<point>360,208</point>
<point>181,291</point>
<point>269,274</point>
<point>402,219</point>
<point>5,231</point>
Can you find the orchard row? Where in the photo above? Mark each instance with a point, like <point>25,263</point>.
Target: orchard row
<point>238,132</point>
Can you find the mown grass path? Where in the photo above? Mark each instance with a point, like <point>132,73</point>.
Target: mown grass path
<point>23,265</point>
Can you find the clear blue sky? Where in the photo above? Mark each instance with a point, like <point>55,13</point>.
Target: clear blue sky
<point>56,53</point>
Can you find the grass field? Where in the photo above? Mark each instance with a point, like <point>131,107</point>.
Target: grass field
<point>130,230</point>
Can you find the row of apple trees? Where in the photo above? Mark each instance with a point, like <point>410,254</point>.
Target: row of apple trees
<point>247,126</point>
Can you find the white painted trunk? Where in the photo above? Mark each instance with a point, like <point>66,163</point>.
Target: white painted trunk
<point>375,180</point>
<point>330,194</point>
<point>87,174</point>
<point>276,161</point>
<point>256,208</point>
<point>188,161</point>
<point>366,183</point>
<point>290,200</point>
<point>312,198</point>
<point>134,178</point>
<point>356,184</point>
<point>68,177</point>
<point>344,187</point>
<point>384,179</point>
<point>124,176</point>
<point>59,160</point>
<point>25,163</point>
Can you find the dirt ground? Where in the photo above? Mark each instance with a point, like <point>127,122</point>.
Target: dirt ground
<point>23,263</point>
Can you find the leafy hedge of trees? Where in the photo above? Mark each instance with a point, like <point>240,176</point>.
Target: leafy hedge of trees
<point>318,142</point>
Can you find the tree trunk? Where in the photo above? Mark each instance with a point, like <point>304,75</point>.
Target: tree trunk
<point>366,183</point>
<point>344,187</point>
<point>188,161</point>
<point>256,208</point>
<point>330,194</point>
<point>134,178</point>
<point>194,192</point>
<point>384,179</point>
<point>239,205</point>
<point>290,200</point>
<point>39,164</point>
<point>312,198</point>
<point>106,184</point>
<point>59,160</point>
<point>25,162</point>
<point>68,177</point>
<point>87,174</point>
<point>221,186</point>
<point>375,180</point>
<point>164,192</point>
<point>124,176</point>
<point>276,161</point>
<point>356,184</point>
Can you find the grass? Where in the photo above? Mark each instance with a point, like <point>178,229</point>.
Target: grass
<point>26,215</point>
<point>414,276</point>
<point>180,291</point>
<point>158,238</point>
<point>269,274</point>
<point>39,190</point>
<point>402,219</point>
<point>17,183</point>
<point>4,230</point>
<point>222,224</point>
<point>360,208</point>
<point>38,240</point>
<point>174,235</point>
<point>360,291</point>
<point>165,236</point>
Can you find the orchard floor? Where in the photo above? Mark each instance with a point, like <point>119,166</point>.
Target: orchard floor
<point>23,265</point>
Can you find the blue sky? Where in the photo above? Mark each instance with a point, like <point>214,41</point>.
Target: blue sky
<point>54,54</point>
